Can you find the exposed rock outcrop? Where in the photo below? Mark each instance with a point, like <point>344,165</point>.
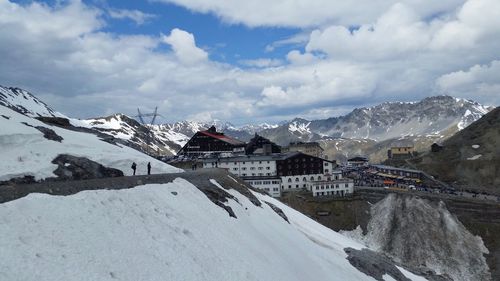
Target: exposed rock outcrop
<point>377,265</point>
<point>278,211</point>
<point>77,168</point>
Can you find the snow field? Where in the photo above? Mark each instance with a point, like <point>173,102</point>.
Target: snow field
<point>148,233</point>
<point>26,152</point>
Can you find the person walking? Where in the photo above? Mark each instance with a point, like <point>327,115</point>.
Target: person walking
<point>134,166</point>
<point>149,168</point>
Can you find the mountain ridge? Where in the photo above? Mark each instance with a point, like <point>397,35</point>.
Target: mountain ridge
<point>432,119</point>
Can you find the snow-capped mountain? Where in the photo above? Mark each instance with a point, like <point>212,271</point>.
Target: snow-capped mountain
<point>146,138</point>
<point>367,131</point>
<point>431,116</point>
<point>25,103</point>
<point>30,148</point>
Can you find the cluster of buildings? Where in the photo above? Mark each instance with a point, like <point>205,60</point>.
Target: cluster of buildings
<point>265,165</point>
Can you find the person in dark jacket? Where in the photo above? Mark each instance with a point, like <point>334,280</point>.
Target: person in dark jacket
<point>134,166</point>
<point>149,168</point>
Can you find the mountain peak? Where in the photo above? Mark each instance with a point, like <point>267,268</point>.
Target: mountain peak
<point>25,103</point>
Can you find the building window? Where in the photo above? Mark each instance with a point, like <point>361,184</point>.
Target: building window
<point>319,178</point>
<point>289,180</point>
<point>304,179</point>
<point>296,179</point>
<point>312,178</point>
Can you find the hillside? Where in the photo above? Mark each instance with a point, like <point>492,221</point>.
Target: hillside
<point>471,158</point>
<point>144,138</point>
<point>174,231</point>
<point>30,148</point>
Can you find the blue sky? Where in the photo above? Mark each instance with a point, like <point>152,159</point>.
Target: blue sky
<point>229,43</point>
<point>248,61</point>
<point>225,42</point>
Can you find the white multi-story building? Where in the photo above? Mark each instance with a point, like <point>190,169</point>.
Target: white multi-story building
<point>246,166</point>
<point>341,187</point>
<point>275,173</point>
<point>271,185</point>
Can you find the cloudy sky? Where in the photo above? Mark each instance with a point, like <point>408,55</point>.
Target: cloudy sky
<point>248,61</point>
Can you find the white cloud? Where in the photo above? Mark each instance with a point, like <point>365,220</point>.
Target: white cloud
<point>306,13</point>
<point>262,62</point>
<point>482,81</point>
<point>134,15</point>
<point>297,39</point>
<point>323,82</point>
<point>84,71</point>
<point>296,57</point>
<point>40,19</point>
<point>475,21</point>
<point>184,47</point>
<point>395,33</point>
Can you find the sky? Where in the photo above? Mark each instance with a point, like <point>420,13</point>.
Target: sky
<point>248,61</point>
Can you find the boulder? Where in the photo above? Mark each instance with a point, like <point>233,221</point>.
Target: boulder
<point>77,168</point>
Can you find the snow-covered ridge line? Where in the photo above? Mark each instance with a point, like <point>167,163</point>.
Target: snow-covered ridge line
<point>24,102</point>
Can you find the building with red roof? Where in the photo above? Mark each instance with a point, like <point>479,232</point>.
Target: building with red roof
<point>211,142</point>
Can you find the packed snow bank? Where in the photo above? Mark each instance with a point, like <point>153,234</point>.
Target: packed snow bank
<point>25,151</point>
<point>164,232</point>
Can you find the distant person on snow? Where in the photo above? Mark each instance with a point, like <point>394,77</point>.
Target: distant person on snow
<point>134,166</point>
<point>149,168</point>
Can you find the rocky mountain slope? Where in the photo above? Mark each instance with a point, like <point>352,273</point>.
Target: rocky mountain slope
<point>364,131</point>
<point>25,103</point>
<point>428,117</point>
<point>371,131</point>
<point>153,140</point>
<point>471,158</point>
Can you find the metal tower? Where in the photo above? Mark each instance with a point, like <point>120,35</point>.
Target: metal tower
<point>142,115</point>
